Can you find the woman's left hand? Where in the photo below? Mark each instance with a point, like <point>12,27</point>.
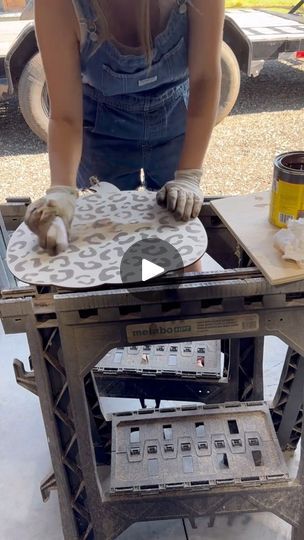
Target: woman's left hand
<point>183,195</point>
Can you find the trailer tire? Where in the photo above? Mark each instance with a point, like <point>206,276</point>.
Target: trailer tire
<point>231,81</point>
<point>33,97</point>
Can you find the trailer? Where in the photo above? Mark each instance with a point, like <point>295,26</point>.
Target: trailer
<point>251,38</point>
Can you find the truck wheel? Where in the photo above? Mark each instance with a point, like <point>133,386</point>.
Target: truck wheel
<point>33,97</point>
<point>231,81</point>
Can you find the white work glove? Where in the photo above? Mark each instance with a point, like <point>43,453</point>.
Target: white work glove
<point>183,195</point>
<point>50,218</point>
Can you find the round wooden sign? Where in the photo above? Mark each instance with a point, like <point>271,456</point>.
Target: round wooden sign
<point>104,227</point>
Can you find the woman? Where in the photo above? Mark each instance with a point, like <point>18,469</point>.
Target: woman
<point>133,84</point>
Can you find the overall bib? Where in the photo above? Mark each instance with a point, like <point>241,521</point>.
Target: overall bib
<point>134,114</point>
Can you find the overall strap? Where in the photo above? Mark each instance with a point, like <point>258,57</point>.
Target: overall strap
<point>182,5</point>
<point>86,18</point>
<point>84,10</point>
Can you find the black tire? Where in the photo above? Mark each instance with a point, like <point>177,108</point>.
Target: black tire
<point>33,98</point>
<point>231,81</point>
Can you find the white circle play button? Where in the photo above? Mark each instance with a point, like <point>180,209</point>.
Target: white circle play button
<point>150,270</point>
<point>149,259</point>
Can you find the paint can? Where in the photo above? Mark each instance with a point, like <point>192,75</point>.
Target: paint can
<point>287,193</point>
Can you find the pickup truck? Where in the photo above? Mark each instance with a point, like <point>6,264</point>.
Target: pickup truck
<point>251,37</point>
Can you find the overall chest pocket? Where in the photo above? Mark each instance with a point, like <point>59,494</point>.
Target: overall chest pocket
<point>170,68</point>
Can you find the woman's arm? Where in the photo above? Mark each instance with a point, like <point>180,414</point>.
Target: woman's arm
<point>57,34</point>
<point>206,19</point>
<point>183,195</point>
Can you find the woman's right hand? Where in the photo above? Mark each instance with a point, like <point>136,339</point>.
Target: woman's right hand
<point>58,34</point>
<point>42,218</point>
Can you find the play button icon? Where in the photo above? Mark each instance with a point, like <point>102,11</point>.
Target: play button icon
<point>147,260</point>
<point>150,270</point>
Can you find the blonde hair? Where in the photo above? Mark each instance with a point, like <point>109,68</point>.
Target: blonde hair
<point>142,15</point>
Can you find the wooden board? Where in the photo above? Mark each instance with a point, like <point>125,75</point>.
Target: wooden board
<point>246,216</point>
<point>104,228</point>
<point>13,4</point>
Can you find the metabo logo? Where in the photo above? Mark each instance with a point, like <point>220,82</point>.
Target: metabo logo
<point>154,330</point>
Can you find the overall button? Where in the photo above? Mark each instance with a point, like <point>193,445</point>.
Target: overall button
<point>182,6</point>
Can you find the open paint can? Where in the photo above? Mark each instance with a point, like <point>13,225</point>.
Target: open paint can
<point>287,194</point>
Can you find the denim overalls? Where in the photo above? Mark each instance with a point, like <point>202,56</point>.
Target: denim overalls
<point>134,116</point>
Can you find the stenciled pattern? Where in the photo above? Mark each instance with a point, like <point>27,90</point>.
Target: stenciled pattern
<point>104,227</point>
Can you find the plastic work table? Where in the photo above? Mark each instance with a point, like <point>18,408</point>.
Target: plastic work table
<point>221,456</point>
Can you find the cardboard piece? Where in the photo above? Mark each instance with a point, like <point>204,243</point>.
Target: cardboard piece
<point>105,225</point>
<point>246,216</point>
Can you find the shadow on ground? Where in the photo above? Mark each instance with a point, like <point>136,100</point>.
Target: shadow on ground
<point>279,87</point>
<point>15,136</point>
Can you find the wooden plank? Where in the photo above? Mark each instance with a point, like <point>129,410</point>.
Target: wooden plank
<point>13,4</point>
<point>246,217</point>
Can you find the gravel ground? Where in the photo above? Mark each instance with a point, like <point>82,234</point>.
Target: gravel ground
<point>267,119</point>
